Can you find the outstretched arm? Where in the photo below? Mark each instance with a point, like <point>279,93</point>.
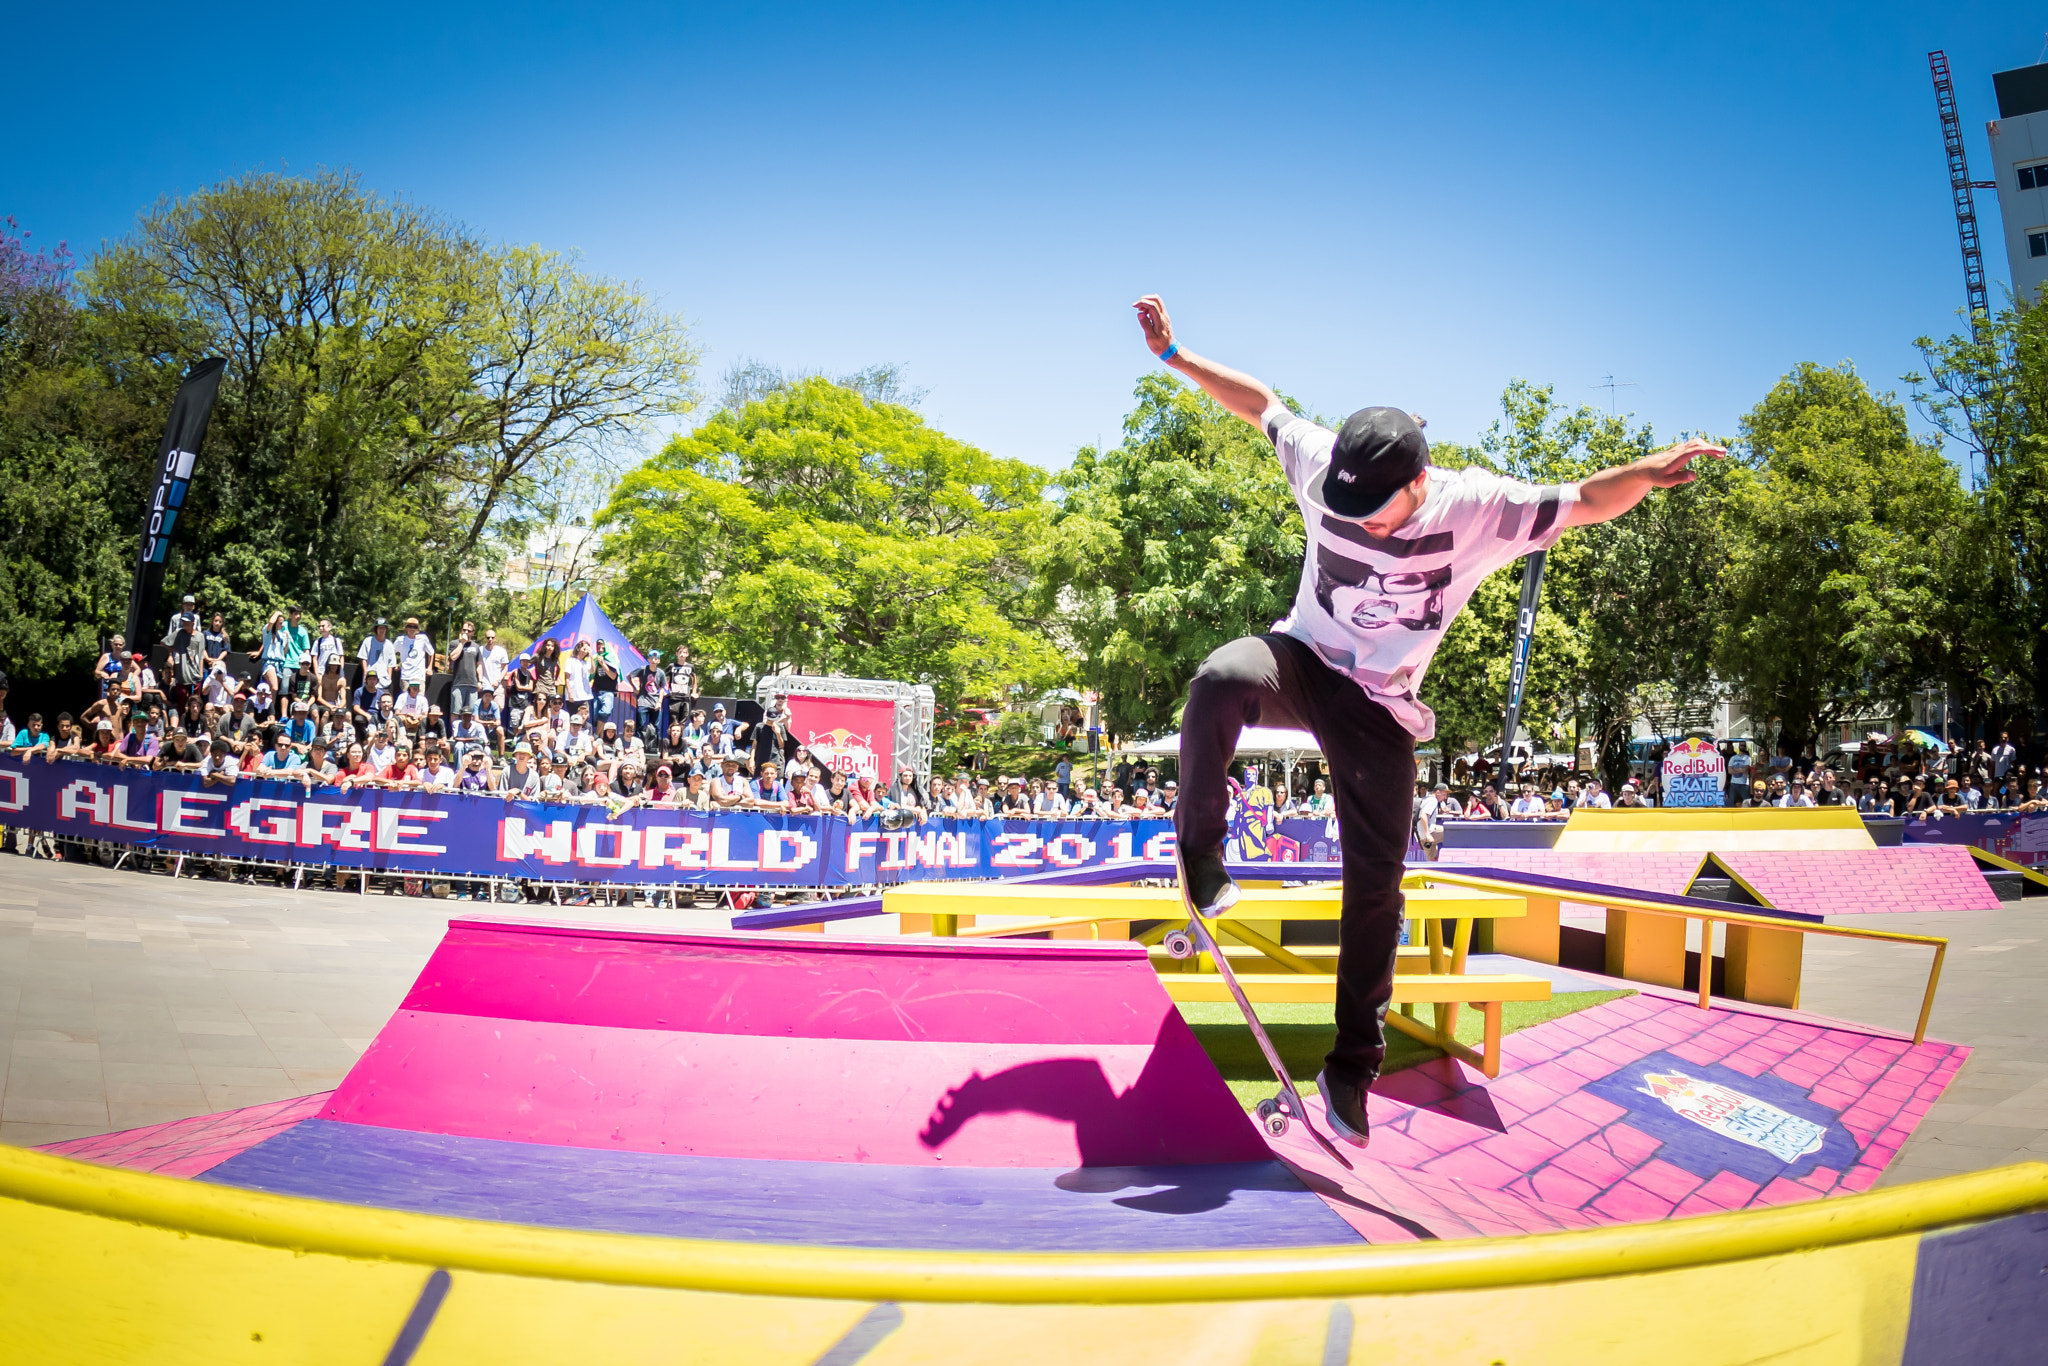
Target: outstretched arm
<point>1610,493</point>
<point>1234,389</point>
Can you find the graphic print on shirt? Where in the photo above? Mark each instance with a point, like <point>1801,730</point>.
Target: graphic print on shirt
<point>1352,591</point>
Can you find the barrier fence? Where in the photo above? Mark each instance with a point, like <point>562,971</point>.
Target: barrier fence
<point>472,836</point>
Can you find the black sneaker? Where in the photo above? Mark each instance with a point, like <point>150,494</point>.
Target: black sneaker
<point>1209,884</point>
<point>1345,1105</point>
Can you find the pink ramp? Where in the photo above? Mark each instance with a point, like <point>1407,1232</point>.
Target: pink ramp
<point>1649,871</point>
<point>978,1055</point>
<point>1906,877</point>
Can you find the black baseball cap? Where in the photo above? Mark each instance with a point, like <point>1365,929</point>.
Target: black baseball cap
<point>1378,451</point>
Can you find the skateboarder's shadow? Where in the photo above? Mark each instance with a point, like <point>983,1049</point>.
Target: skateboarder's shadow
<point>1166,1118</point>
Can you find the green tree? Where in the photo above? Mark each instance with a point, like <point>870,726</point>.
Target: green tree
<point>814,529</point>
<point>1837,520</point>
<point>1624,622</point>
<point>1988,392</point>
<point>1164,547</point>
<point>396,386</point>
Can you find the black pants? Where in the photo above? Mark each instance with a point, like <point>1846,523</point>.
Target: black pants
<point>1276,680</point>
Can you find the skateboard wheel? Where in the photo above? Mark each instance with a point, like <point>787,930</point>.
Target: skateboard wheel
<point>1276,1124</point>
<point>1266,1109</point>
<point>1180,944</point>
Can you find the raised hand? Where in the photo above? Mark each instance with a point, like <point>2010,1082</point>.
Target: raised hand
<point>1158,327</point>
<point>1670,468</point>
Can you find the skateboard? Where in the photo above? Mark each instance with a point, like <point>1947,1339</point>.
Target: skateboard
<point>1278,1112</point>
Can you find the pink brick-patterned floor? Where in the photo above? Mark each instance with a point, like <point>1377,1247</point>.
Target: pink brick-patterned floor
<point>190,1147</point>
<point>1907,877</point>
<point>1568,1135</point>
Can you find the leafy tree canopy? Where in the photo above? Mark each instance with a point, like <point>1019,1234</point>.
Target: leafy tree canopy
<point>813,528</point>
<point>1164,547</point>
<point>1836,524</point>
<point>395,383</point>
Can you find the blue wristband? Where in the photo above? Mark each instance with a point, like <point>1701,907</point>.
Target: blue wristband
<point>1169,353</point>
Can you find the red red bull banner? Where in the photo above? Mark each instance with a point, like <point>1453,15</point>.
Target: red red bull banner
<point>851,735</point>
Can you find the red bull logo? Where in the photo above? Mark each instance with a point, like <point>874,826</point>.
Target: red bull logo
<point>842,751</point>
<point>1731,1114</point>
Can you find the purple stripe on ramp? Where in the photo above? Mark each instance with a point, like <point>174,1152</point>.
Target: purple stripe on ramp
<point>1049,1209</point>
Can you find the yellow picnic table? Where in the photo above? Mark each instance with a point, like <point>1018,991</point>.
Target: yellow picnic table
<point>1432,972</point>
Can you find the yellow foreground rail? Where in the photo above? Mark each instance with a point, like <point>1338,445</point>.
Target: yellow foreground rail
<point>312,1227</point>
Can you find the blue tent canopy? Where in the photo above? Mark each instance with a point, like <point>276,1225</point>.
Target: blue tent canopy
<point>587,621</point>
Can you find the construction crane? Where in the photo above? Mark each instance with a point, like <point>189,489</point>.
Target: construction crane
<point>1960,187</point>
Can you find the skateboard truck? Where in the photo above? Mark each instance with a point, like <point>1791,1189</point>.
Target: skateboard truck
<point>1276,1113</point>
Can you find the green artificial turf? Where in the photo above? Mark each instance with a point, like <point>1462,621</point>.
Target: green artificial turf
<point>1303,1033</point>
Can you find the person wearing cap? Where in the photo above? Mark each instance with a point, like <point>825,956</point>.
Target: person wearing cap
<point>411,707</point>
<point>180,752</point>
<point>522,777</point>
<point>222,765</point>
<point>186,639</point>
<point>476,777</point>
<point>413,654</point>
<point>468,735</point>
<point>1393,550</point>
<point>378,655</point>
<point>297,731</point>
<point>1593,796</point>
<point>137,748</point>
<point>729,788</point>
<point>1794,794</point>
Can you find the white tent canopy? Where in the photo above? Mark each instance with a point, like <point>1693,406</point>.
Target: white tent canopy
<point>1254,740</point>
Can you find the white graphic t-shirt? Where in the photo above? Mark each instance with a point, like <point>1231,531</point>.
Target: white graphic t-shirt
<point>1375,608</point>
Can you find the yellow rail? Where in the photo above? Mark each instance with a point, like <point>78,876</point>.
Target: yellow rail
<point>1625,903</point>
<point>311,1226</point>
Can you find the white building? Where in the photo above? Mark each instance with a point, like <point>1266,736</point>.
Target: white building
<point>2019,155</point>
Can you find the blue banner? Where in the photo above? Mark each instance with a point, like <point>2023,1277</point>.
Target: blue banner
<point>459,835</point>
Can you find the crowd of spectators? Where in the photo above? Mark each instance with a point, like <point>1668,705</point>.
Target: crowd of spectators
<point>577,725</point>
<point>550,725</point>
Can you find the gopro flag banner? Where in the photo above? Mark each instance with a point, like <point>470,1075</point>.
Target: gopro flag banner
<point>183,435</point>
<point>1694,774</point>
<point>1525,639</point>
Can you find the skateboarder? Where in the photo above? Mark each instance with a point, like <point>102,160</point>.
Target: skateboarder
<point>1394,548</point>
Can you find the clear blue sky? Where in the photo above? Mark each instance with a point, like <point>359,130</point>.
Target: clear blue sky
<point>1361,204</point>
